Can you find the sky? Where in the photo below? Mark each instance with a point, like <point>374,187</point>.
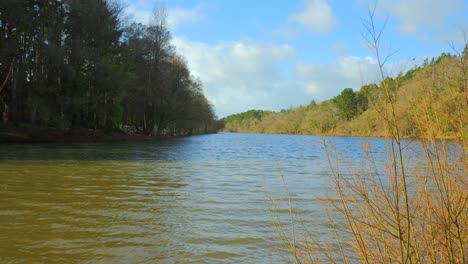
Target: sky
<point>277,54</point>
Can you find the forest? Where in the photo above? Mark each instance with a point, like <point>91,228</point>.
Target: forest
<point>82,64</point>
<point>437,88</point>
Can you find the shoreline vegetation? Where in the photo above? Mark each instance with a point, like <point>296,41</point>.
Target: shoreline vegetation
<point>24,135</point>
<point>53,135</point>
<point>438,87</point>
<point>62,79</point>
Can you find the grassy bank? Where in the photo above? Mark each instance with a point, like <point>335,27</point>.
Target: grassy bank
<point>436,90</point>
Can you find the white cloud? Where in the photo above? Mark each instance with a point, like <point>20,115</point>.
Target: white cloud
<point>317,16</point>
<point>418,16</point>
<point>138,15</point>
<point>324,81</point>
<point>239,76</point>
<point>312,88</point>
<point>178,16</point>
<point>175,16</point>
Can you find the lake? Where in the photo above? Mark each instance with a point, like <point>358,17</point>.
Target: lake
<point>199,199</point>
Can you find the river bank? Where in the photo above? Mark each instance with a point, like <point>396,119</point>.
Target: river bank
<point>26,135</point>
<point>382,135</point>
<point>16,135</point>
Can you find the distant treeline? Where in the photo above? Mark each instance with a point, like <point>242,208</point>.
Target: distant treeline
<point>436,90</point>
<point>78,64</point>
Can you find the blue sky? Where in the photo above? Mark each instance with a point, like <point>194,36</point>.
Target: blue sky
<point>273,54</point>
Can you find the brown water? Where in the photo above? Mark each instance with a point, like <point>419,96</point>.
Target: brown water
<point>190,200</point>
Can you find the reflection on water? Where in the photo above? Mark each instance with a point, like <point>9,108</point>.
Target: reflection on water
<point>198,199</point>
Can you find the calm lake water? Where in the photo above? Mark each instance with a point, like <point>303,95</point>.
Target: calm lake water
<point>199,199</point>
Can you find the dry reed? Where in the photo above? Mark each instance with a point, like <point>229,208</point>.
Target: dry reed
<point>410,208</point>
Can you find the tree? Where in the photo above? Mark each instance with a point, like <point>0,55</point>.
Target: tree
<point>347,104</point>
<point>362,102</point>
<point>159,50</point>
<point>93,60</point>
<point>62,70</point>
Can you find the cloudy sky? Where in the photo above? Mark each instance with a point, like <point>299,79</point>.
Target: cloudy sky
<point>273,54</point>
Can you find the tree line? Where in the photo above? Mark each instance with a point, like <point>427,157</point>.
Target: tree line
<point>79,64</point>
<point>442,80</point>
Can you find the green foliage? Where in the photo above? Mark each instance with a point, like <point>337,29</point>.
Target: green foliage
<point>411,74</point>
<point>347,104</point>
<point>362,102</point>
<point>251,114</point>
<point>350,104</point>
<point>75,64</point>
<point>357,113</point>
<point>312,104</point>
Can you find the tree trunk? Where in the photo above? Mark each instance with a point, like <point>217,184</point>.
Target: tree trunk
<point>13,106</point>
<point>145,129</point>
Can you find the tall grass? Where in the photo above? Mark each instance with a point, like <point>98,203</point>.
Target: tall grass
<point>409,208</point>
